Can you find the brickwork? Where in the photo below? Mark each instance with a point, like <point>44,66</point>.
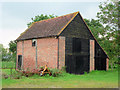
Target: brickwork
<point>47,52</point>
<point>29,58</point>
<point>61,52</point>
<point>19,48</point>
<point>19,51</point>
<point>92,53</point>
<point>107,63</point>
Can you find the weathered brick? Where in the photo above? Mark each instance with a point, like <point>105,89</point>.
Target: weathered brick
<point>92,54</point>
<point>47,53</point>
<point>61,52</point>
<point>107,63</point>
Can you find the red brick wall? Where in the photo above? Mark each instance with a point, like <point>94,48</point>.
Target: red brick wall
<point>47,52</point>
<point>19,51</point>
<point>29,57</point>
<point>92,54</point>
<point>19,48</point>
<point>61,52</point>
<point>28,53</point>
<point>107,63</point>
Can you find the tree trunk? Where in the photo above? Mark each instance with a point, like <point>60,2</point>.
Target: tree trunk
<point>111,66</point>
<point>114,65</point>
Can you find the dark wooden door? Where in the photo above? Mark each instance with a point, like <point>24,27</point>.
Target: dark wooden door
<point>100,63</point>
<point>77,56</point>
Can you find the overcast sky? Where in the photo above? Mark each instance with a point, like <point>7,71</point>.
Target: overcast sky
<point>14,16</point>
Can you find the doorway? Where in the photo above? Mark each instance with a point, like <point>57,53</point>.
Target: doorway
<point>19,61</point>
<point>77,55</point>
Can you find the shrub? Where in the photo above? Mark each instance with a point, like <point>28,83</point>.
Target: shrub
<point>4,76</point>
<point>16,75</point>
<point>6,64</point>
<point>63,69</point>
<point>85,73</point>
<point>55,72</point>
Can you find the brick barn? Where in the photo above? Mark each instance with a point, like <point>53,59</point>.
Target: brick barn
<point>59,42</point>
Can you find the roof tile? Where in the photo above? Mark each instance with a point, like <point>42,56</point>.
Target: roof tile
<point>49,27</point>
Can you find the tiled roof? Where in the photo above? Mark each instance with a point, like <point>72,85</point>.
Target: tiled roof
<point>49,27</point>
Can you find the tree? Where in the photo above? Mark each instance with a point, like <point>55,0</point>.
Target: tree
<point>1,46</point>
<point>40,17</point>
<point>96,28</point>
<point>5,55</point>
<point>108,16</point>
<point>13,46</point>
<point>9,55</point>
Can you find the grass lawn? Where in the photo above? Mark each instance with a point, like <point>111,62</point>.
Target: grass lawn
<point>95,79</point>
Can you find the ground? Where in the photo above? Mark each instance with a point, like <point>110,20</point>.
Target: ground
<point>94,79</point>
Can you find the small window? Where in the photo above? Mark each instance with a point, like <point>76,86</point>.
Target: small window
<point>34,42</point>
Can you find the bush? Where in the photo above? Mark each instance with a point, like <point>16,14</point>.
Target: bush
<point>16,75</point>
<point>13,57</point>
<point>6,64</point>
<point>55,72</point>
<point>63,69</point>
<point>4,76</point>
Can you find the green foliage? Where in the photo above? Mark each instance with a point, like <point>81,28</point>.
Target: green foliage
<point>4,76</point>
<point>8,64</point>
<point>1,46</point>
<point>55,72</point>
<point>96,27</point>
<point>40,17</point>
<point>16,75</point>
<point>13,46</point>
<point>6,56</point>
<point>107,27</point>
<point>63,69</point>
<point>108,16</point>
<point>9,55</point>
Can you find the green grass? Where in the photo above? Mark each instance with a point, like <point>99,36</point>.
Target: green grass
<point>95,79</point>
<point>6,64</point>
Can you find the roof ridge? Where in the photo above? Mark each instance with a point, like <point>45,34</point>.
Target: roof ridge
<point>46,20</point>
<point>56,17</point>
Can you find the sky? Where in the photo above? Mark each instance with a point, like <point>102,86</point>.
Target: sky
<point>14,16</point>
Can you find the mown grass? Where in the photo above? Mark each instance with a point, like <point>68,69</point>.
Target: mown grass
<point>94,79</point>
<point>8,65</point>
